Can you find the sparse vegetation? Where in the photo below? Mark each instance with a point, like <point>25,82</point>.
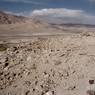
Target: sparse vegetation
<point>3,47</point>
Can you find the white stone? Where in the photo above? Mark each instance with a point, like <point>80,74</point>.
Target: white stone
<point>29,59</point>
<point>49,93</point>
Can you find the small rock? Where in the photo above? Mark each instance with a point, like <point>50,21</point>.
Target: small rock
<point>34,67</point>
<point>50,93</point>
<point>29,59</point>
<point>58,62</point>
<point>27,92</point>
<point>14,49</point>
<point>91,81</point>
<point>90,92</point>
<point>6,64</point>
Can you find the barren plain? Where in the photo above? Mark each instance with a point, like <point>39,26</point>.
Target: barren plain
<point>40,59</point>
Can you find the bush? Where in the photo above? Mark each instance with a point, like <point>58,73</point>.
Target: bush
<point>3,47</point>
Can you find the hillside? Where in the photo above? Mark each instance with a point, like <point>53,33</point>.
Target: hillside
<point>10,19</point>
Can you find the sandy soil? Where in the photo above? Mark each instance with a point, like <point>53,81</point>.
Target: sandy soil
<point>33,28</point>
<point>59,65</point>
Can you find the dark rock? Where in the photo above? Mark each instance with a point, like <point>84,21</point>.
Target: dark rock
<point>90,92</point>
<point>27,92</point>
<point>91,81</point>
<point>6,64</point>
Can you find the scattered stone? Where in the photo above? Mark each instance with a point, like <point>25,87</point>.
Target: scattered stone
<point>27,70</point>
<point>91,81</point>
<point>90,92</point>
<point>34,67</point>
<point>62,55</point>
<point>6,64</point>
<point>58,62</point>
<point>14,49</point>
<point>28,83</point>
<point>27,92</point>
<point>72,88</point>
<point>49,93</point>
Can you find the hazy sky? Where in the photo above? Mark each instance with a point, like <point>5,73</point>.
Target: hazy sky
<point>73,8</point>
<point>26,5</point>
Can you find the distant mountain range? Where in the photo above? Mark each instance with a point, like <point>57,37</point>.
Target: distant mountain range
<point>72,25</point>
<point>6,18</point>
<point>10,19</point>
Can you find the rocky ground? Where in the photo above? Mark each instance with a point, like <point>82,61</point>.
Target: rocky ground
<point>60,65</point>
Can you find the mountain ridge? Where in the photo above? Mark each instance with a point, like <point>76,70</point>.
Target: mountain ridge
<point>6,18</point>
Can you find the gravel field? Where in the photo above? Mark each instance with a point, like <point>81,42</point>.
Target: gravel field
<point>59,65</point>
